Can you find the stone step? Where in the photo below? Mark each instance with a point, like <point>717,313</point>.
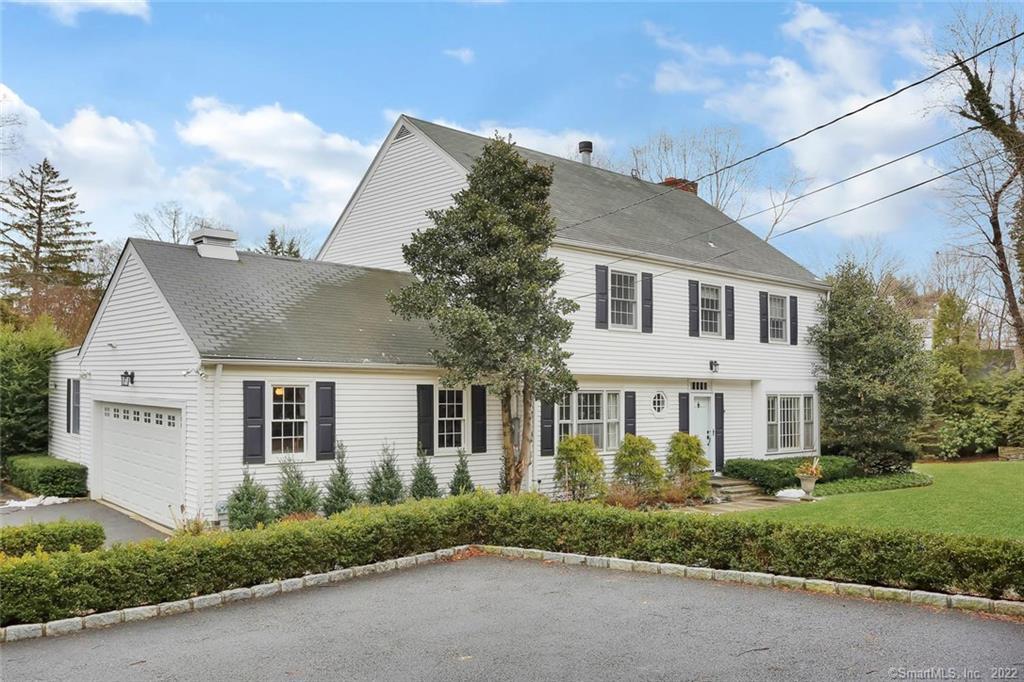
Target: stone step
<point>737,490</point>
<point>717,481</point>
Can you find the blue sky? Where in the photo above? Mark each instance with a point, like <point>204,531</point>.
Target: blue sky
<point>268,113</point>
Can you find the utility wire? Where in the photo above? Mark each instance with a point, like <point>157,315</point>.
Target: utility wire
<point>804,134</point>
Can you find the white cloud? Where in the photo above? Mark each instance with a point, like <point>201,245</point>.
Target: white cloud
<point>673,76</point>
<point>462,54</point>
<point>696,68</point>
<point>561,143</point>
<point>67,11</point>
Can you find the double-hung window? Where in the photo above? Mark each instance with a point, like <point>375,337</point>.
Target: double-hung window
<point>596,414</point>
<point>451,418</point>
<point>710,310</point>
<point>288,420</point>
<point>622,300</point>
<point>777,327</point>
<point>790,420</point>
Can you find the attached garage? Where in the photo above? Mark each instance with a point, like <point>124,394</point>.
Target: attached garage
<point>141,454</point>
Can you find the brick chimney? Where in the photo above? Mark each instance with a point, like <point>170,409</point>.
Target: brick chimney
<point>680,183</point>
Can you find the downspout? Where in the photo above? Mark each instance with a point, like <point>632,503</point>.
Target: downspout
<point>215,473</point>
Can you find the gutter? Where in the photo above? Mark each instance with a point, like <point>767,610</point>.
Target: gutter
<point>384,366</point>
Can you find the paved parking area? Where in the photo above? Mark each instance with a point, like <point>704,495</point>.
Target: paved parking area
<point>119,527</point>
<point>492,618</point>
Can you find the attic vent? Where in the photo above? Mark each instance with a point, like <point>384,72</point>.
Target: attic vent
<point>402,132</point>
<point>698,385</point>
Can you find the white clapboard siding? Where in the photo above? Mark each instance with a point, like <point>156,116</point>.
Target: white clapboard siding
<point>62,444</point>
<point>410,177</point>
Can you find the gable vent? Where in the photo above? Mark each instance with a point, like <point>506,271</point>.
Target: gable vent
<point>403,132</point>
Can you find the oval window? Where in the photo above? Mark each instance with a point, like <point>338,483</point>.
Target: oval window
<point>658,402</point>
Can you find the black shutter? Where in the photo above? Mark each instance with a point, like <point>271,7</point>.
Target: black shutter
<point>684,412</point>
<point>547,429</point>
<point>730,313</point>
<point>76,404</point>
<point>601,295</point>
<point>793,327</point>
<point>694,308</point>
<point>647,302</point>
<point>325,420</point>
<point>425,417</point>
<point>763,298</point>
<point>630,409</point>
<point>253,407</point>
<point>478,410</point>
<point>67,405</point>
<point>719,431</point>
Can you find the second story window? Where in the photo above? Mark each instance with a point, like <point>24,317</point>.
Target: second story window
<point>777,326</point>
<point>622,299</point>
<point>710,310</point>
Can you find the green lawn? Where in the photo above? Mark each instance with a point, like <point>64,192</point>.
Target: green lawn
<point>977,498</point>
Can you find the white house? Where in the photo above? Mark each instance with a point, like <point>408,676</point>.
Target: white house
<point>203,361</point>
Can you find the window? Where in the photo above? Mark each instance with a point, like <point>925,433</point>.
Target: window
<point>106,411</point>
<point>777,327</point>
<point>597,414</point>
<point>565,417</point>
<point>135,415</point>
<point>450,418</point>
<point>658,402</point>
<point>288,425</point>
<point>589,421</point>
<point>170,420</point>
<point>623,299</point>
<point>147,417</point>
<point>790,421</point>
<point>158,418</point>
<point>698,385</point>
<point>710,310</point>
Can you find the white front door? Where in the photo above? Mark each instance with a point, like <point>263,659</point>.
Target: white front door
<point>702,424</point>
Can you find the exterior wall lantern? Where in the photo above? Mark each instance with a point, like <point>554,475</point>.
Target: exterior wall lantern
<point>128,378</point>
<point>713,366</point>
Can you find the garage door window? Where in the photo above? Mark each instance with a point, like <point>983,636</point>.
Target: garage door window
<point>288,425</point>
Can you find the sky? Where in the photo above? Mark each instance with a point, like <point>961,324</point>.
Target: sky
<point>265,114</point>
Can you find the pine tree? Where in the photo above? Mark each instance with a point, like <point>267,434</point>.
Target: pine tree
<point>249,505</point>
<point>955,335</point>
<point>385,484</point>
<point>276,246</point>
<point>424,483</point>
<point>461,482</point>
<point>296,495</point>
<point>44,241</point>
<point>340,493</point>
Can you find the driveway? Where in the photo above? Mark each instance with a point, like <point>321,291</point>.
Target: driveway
<point>119,527</point>
<point>489,618</point>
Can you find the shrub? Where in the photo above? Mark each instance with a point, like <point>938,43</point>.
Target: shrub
<point>867,484</point>
<point>296,495</point>
<point>687,467</point>
<point>636,465</point>
<point>625,496</point>
<point>424,482</point>
<point>1013,422</point>
<point>775,474</point>
<point>189,524</point>
<point>385,483</point>
<point>25,357</point>
<point>896,459</point>
<point>44,475</point>
<point>56,536</point>
<point>973,434</point>
<point>579,470</point>
<point>340,492</point>
<point>249,505</point>
<point>44,586</point>
<point>461,482</point>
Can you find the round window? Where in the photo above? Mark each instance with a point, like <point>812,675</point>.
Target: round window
<point>658,402</point>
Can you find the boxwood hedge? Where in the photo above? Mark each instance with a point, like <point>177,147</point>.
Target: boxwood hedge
<point>45,586</point>
<point>55,536</point>
<point>44,475</point>
<point>775,474</point>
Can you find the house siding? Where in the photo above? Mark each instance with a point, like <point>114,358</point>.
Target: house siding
<point>63,444</point>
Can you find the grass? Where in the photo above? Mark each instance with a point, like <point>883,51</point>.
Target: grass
<point>977,498</point>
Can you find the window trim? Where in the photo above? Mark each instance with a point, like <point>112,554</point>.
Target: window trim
<point>802,422</point>
<point>636,302</point>
<point>721,310</point>
<point>785,319</point>
<point>464,420</point>
<point>664,403</point>
<point>308,453</point>
<point>574,417</point>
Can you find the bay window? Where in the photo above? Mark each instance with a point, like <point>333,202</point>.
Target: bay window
<point>790,422</point>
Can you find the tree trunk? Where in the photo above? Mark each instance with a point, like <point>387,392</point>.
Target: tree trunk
<point>525,437</point>
<point>507,446</point>
<point>1006,277</point>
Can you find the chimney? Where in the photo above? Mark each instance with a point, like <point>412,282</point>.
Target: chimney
<point>214,243</point>
<point>586,149</point>
<point>680,183</point>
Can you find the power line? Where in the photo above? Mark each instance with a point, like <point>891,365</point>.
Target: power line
<point>804,134</point>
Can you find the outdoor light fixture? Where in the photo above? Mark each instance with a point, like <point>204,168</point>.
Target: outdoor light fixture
<point>713,366</point>
<point>128,378</point>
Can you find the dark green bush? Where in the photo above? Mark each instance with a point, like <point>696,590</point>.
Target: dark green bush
<point>462,482</point>
<point>424,482</point>
<point>44,586</point>
<point>1013,422</point>
<point>25,356</point>
<point>249,505</point>
<point>579,470</point>
<point>56,536</point>
<point>775,474</point>
<point>44,475</point>
<point>866,484</point>
<point>295,495</point>
<point>340,492</point>
<point>385,483</point>
<point>635,464</point>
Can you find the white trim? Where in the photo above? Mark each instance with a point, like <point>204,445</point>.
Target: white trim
<point>313,364</point>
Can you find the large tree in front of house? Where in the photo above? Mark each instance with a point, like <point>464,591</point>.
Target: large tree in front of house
<point>873,378</point>
<point>486,284</point>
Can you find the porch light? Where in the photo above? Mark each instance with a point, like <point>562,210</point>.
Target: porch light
<point>279,390</point>
<point>127,378</point>
<point>713,366</point>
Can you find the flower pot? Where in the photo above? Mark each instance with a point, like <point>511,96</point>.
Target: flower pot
<point>807,483</point>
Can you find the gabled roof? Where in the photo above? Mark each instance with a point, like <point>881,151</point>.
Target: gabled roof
<point>274,308</point>
<point>658,226</point>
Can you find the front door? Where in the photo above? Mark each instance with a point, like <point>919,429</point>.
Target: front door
<point>702,424</point>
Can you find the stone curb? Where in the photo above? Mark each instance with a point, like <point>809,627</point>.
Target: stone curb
<point>958,602</point>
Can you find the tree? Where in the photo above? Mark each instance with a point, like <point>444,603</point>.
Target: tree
<point>484,281</point>
<point>340,492</point>
<point>579,469</point>
<point>281,243</point>
<point>424,483</point>
<point>385,483</point>
<point>462,482</point>
<point>296,495</point>
<point>873,378</point>
<point>25,385</point>
<point>169,222</point>
<point>955,335</point>
<point>249,505</point>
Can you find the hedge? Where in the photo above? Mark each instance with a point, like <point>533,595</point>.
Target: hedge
<point>867,484</point>
<point>44,475</point>
<point>47,586</point>
<point>775,474</point>
<point>56,536</point>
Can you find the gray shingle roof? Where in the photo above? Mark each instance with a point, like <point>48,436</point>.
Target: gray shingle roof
<point>266,307</point>
<point>657,226</point>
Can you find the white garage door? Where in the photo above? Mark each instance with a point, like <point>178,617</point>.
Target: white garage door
<point>141,450</point>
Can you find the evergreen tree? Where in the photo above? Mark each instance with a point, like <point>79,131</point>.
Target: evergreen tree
<point>461,482</point>
<point>955,335</point>
<point>44,241</point>
<point>249,505</point>
<point>296,495</point>
<point>340,492</point>
<point>424,483</point>
<point>385,483</point>
<point>278,246</point>
<point>25,356</point>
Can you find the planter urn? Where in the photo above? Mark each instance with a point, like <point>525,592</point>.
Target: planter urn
<point>807,483</point>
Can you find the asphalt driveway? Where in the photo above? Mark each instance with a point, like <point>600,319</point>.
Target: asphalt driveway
<point>119,527</point>
<point>488,618</point>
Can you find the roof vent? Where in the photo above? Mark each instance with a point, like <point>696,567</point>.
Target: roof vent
<point>586,149</point>
<point>682,184</point>
<point>214,243</point>
<point>402,132</point>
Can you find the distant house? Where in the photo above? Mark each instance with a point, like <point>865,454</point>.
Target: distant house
<point>926,325</point>
<point>203,361</point>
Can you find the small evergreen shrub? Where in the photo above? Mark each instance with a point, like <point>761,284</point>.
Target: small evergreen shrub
<point>340,492</point>
<point>579,470</point>
<point>249,505</point>
<point>461,483</point>
<point>687,468</point>
<point>45,475</point>
<point>56,536</point>
<point>296,495</point>
<point>776,474</point>
<point>385,483</point>
<point>424,482</point>
<point>635,464</point>
<point>971,435</point>
<point>1013,422</point>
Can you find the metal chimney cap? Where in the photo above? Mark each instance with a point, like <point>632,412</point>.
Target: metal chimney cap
<point>586,147</point>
